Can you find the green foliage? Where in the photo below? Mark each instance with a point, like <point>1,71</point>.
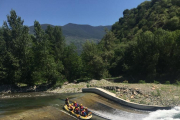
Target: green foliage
<point>148,38</point>
<point>39,58</point>
<point>142,81</point>
<point>72,63</point>
<point>143,45</point>
<point>156,82</point>
<point>93,63</point>
<point>167,82</point>
<point>177,82</point>
<point>125,81</point>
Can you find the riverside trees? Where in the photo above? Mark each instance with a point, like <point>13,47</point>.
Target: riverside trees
<point>143,44</point>
<point>33,59</point>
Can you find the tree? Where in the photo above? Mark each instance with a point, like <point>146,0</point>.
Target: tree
<point>72,63</point>
<point>92,61</point>
<point>13,32</point>
<point>46,68</point>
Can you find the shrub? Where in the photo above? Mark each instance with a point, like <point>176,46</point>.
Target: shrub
<point>125,81</point>
<point>177,82</point>
<point>167,82</point>
<point>156,82</point>
<point>142,81</point>
<point>88,85</point>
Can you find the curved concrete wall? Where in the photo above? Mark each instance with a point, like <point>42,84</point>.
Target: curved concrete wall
<point>113,97</point>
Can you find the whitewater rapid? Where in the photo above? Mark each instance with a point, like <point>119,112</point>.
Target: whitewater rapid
<point>172,114</point>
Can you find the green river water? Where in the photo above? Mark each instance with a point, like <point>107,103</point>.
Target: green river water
<point>49,106</point>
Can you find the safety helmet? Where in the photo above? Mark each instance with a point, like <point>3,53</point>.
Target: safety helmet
<point>81,105</point>
<point>74,101</point>
<point>72,104</point>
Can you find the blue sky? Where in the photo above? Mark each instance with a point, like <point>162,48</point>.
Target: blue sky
<point>61,12</point>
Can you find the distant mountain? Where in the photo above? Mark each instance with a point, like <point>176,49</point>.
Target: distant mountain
<point>78,34</point>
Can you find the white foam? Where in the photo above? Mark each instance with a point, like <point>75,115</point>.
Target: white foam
<point>173,114</point>
<point>164,114</point>
<point>119,115</point>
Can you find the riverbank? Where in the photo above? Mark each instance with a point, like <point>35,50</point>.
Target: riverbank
<point>148,93</point>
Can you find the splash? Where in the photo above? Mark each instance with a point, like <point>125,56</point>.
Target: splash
<point>173,114</point>
<point>119,115</point>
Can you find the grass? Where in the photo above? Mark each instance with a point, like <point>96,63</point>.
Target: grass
<point>113,91</point>
<point>21,84</point>
<point>142,81</point>
<point>142,102</point>
<point>156,94</point>
<point>83,80</point>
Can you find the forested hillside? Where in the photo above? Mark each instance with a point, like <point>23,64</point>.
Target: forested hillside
<point>78,34</point>
<point>143,45</point>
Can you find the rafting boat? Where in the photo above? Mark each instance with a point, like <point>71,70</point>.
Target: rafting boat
<point>87,117</point>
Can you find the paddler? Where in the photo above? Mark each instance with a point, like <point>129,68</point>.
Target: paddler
<point>67,101</point>
<point>71,107</point>
<point>77,110</point>
<point>81,107</point>
<point>75,104</point>
<point>83,113</point>
<point>86,110</point>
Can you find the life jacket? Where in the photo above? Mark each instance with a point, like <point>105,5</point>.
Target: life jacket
<point>71,107</point>
<point>83,113</point>
<point>75,104</point>
<point>77,110</point>
<point>81,107</point>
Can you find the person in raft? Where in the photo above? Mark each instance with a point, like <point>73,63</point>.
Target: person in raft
<point>67,101</point>
<point>81,107</point>
<point>86,110</point>
<point>71,107</point>
<point>83,113</point>
<point>75,104</point>
<point>77,110</point>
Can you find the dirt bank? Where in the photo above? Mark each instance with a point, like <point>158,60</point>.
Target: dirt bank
<point>149,94</point>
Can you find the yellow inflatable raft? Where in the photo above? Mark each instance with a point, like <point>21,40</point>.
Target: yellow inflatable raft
<point>87,117</point>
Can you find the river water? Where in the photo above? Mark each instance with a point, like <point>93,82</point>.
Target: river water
<point>101,108</point>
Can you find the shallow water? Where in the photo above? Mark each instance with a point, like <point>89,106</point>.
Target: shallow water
<point>97,104</point>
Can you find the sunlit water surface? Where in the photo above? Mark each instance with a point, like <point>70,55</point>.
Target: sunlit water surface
<point>97,104</point>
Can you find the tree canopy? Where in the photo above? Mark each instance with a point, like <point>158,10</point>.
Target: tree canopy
<point>144,44</point>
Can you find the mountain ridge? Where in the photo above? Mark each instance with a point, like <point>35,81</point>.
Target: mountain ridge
<point>79,34</point>
<point>79,30</point>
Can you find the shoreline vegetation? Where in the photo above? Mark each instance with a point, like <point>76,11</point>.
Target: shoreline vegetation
<point>141,93</point>
<point>143,44</point>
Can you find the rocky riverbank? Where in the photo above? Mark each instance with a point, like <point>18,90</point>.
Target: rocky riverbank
<point>149,94</point>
